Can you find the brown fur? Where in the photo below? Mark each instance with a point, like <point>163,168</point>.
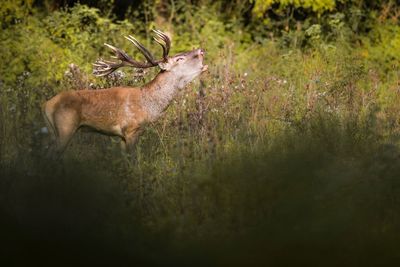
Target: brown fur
<point>103,110</point>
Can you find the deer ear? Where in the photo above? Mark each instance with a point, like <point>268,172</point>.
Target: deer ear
<point>165,65</point>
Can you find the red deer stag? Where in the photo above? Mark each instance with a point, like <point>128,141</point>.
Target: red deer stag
<point>123,111</point>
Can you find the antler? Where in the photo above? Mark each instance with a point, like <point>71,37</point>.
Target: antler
<point>165,39</point>
<point>106,67</point>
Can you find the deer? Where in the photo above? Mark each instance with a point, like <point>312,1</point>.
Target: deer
<point>123,111</point>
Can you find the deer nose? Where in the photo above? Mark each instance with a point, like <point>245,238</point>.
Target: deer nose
<point>201,51</point>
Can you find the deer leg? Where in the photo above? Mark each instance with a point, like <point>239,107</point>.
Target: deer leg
<point>49,122</point>
<point>123,145</point>
<point>63,139</point>
<point>66,123</point>
<point>130,139</point>
<point>48,118</point>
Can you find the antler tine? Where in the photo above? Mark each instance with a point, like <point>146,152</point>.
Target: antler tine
<point>163,47</point>
<point>127,60</point>
<point>105,67</point>
<point>119,54</point>
<point>142,49</point>
<point>165,39</point>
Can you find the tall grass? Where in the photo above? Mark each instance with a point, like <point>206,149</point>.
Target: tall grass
<point>325,193</point>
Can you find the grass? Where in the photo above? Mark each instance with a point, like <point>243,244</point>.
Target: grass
<point>326,194</point>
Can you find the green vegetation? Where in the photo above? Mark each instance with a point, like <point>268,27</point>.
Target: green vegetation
<point>285,152</point>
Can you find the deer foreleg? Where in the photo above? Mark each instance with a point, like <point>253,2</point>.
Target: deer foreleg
<point>130,139</point>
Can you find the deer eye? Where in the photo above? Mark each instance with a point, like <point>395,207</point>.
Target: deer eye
<point>179,59</point>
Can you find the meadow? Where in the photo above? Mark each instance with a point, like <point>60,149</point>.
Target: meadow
<point>286,152</point>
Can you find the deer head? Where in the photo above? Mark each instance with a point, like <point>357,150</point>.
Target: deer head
<point>184,66</point>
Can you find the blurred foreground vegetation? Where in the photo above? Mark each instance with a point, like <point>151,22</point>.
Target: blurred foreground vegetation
<point>285,152</point>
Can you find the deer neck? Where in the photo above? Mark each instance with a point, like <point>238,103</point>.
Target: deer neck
<point>159,93</point>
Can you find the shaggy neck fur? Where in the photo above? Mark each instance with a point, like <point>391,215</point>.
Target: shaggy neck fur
<point>158,94</point>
